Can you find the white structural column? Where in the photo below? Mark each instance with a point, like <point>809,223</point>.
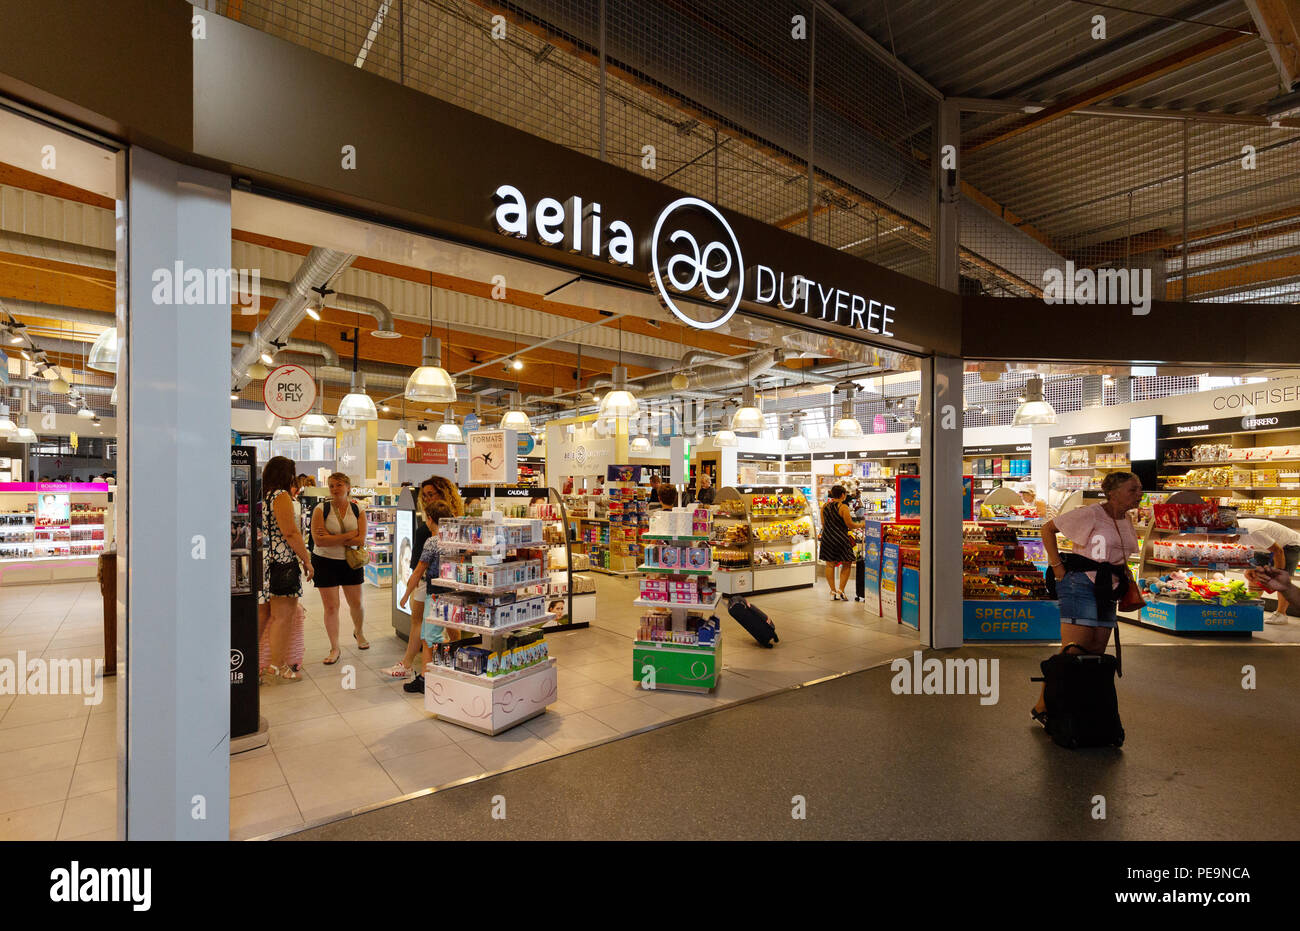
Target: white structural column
<point>174,392</point>
<point>941,502</point>
<point>942,398</point>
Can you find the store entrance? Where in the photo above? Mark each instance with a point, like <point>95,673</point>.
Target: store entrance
<point>1216,453</point>
<point>658,478</point>
<point>60,534</point>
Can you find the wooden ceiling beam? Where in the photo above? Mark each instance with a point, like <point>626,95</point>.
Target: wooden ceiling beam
<point>1221,41</point>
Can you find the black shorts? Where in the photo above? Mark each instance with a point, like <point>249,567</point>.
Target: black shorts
<point>331,573</point>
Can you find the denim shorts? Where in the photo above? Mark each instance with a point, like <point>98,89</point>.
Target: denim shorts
<point>430,632</point>
<point>1079,602</point>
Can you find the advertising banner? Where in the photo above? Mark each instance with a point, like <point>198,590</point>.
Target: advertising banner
<point>1190,615</point>
<point>910,610</point>
<point>889,581</point>
<point>872,533</point>
<point>403,540</point>
<point>1011,620</point>
<point>492,457</point>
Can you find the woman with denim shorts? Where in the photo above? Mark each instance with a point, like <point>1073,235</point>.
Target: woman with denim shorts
<point>1092,578</point>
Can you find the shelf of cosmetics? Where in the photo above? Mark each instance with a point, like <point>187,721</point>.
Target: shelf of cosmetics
<point>699,631</point>
<point>520,650</point>
<point>696,592</point>
<point>499,611</point>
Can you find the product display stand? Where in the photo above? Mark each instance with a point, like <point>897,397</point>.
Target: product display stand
<point>775,548</point>
<point>53,531</point>
<point>579,589</point>
<point>482,701</point>
<point>672,650</point>
<point>381,522</point>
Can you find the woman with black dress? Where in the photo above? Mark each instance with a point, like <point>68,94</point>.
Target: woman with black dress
<point>837,546</point>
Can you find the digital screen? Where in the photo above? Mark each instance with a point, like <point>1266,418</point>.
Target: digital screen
<point>402,543</point>
<point>1142,438</point>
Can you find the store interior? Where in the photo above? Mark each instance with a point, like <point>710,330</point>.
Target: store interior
<point>774,416</point>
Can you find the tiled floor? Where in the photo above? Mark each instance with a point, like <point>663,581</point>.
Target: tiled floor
<point>333,750</point>
<point>58,755</point>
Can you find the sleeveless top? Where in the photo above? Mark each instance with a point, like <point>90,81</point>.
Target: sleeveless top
<point>277,550</point>
<point>836,544</point>
<point>336,522</point>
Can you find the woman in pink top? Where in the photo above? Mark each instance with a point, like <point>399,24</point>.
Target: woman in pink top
<point>1092,578</point>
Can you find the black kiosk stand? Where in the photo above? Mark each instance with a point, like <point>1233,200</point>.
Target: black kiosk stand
<point>248,729</point>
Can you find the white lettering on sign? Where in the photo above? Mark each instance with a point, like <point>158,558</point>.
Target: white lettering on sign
<point>693,252</point>
<point>1102,286</point>
<point>1199,428</point>
<point>1112,437</point>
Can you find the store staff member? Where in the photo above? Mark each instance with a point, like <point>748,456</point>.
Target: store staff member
<point>1029,495</point>
<point>654,492</point>
<point>1269,538</point>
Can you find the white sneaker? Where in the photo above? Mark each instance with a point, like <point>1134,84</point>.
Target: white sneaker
<point>1276,618</point>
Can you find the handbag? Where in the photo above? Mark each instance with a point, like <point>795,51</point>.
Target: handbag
<point>283,578</point>
<point>356,556</point>
<point>1132,599</point>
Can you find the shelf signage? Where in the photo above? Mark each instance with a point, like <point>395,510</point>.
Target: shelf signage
<point>1089,439</point>
<point>828,457</point>
<point>54,487</point>
<point>1283,420</point>
<point>469,493</point>
<point>1011,619</point>
<point>492,456</point>
<point>997,450</point>
<point>693,258</point>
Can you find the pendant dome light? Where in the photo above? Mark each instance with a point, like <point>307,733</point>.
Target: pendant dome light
<point>285,433</point>
<point>257,371</point>
<point>913,437</point>
<point>315,423</point>
<point>797,443</point>
<point>749,417</point>
<point>516,418</point>
<point>103,352</point>
<point>1035,409</point>
<point>356,404</point>
<point>847,427</point>
<point>401,439</point>
<point>85,413</point>
<point>640,445</point>
<point>431,383</point>
<point>24,433</point>
<point>618,400</point>
<point>7,426</point>
<point>449,431</point>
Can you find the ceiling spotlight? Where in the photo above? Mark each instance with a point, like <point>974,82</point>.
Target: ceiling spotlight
<point>422,434</point>
<point>268,359</point>
<point>234,395</point>
<point>385,408</point>
<point>517,364</point>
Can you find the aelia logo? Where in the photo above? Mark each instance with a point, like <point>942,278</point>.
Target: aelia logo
<point>695,262</point>
<point>692,268</point>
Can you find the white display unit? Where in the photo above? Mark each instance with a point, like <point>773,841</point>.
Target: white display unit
<point>491,705</point>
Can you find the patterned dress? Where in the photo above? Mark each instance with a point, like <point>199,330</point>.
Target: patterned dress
<point>275,548</point>
<point>836,544</point>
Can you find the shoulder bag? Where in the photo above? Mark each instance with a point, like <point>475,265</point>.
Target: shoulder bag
<point>355,556</point>
<point>1131,599</point>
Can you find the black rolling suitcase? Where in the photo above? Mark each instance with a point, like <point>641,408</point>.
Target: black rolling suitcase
<point>1079,691</point>
<point>753,620</point>
<point>860,579</point>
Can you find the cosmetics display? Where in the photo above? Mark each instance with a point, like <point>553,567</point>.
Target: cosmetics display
<point>502,595</point>
<point>678,645</point>
<point>52,527</point>
<point>381,523</point>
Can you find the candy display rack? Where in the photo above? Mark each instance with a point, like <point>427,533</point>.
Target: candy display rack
<point>1183,553</point>
<point>497,584</point>
<point>679,648</point>
<point>763,539</point>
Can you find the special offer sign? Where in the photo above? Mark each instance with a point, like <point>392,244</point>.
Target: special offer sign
<point>289,392</point>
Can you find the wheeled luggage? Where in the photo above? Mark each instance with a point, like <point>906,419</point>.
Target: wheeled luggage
<point>1079,691</point>
<point>754,621</point>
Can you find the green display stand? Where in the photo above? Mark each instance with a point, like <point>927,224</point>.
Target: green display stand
<point>679,667</point>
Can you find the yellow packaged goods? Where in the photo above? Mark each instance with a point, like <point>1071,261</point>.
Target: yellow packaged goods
<point>1242,477</point>
<point>1266,478</point>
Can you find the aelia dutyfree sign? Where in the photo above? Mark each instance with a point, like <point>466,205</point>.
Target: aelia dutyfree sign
<point>693,259</point>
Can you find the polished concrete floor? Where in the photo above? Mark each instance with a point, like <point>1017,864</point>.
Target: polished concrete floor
<point>1205,759</point>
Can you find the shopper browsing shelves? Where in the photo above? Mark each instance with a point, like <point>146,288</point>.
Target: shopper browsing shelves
<point>426,575</point>
<point>1273,579</point>
<point>424,527</point>
<point>1092,578</point>
<point>283,552</point>
<point>338,527</point>
<point>837,546</point>
<point>1029,495</point>
<point>1276,545</point>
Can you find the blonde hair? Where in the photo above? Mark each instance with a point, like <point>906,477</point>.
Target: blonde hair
<point>339,477</point>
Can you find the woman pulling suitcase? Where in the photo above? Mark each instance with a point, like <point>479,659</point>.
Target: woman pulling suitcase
<point>1094,577</point>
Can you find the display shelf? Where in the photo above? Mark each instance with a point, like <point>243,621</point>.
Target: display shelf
<point>483,589</point>
<point>500,628</point>
<point>493,682</point>
<point>1090,468</point>
<point>671,537</point>
<point>662,570</point>
<point>1196,464</point>
<point>691,605</point>
<point>493,547</point>
<point>481,704</point>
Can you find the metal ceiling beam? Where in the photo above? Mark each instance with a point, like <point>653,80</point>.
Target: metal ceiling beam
<point>1007,105</point>
<point>1278,22</point>
<point>1107,89</point>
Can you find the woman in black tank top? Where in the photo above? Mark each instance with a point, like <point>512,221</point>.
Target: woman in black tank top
<point>837,545</point>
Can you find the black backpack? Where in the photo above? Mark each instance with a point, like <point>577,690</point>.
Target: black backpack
<point>1079,691</point>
